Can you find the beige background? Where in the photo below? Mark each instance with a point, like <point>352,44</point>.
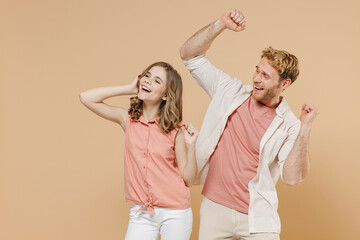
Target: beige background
<point>62,167</point>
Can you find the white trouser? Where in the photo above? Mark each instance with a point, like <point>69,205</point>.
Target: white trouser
<point>218,222</point>
<point>172,224</point>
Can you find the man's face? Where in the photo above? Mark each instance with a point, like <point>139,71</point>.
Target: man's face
<point>267,87</point>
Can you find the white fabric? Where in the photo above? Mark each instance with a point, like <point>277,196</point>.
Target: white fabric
<point>171,224</point>
<point>220,222</point>
<point>227,94</point>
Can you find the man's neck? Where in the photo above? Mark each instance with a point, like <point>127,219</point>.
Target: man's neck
<point>272,103</point>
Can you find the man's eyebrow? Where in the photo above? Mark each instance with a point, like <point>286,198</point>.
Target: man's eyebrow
<point>265,74</point>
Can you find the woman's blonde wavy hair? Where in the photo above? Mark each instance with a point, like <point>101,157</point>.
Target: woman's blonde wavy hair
<point>285,63</point>
<point>170,112</point>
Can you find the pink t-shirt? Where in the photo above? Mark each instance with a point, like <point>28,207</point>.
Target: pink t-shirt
<point>152,177</point>
<point>235,159</point>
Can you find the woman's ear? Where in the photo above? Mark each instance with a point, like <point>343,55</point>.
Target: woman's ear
<point>164,97</point>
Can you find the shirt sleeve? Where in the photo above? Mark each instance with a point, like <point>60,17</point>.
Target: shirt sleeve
<point>288,145</point>
<point>206,74</point>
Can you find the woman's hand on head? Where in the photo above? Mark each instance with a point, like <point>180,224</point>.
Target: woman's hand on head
<point>134,85</point>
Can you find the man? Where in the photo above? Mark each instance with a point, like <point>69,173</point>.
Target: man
<point>248,139</point>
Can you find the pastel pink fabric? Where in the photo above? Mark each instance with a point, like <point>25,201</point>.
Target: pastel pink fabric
<point>235,159</point>
<point>152,177</point>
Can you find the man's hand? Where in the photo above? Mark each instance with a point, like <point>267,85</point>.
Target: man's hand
<point>233,20</point>
<point>308,114</point>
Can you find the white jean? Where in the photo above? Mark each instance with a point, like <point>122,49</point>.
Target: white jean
<point>171,224</point>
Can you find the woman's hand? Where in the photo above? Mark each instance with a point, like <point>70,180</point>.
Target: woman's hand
<point>134,86</point>
<point>190,135</point>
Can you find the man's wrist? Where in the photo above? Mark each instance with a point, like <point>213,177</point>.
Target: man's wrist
<point>305,128</point>
<point>219,25</point>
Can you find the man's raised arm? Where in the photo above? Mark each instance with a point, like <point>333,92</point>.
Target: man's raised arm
<point>201,41</point>
<point>297,164</point>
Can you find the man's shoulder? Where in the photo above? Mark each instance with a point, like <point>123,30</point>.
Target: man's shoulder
<point>286,113</point>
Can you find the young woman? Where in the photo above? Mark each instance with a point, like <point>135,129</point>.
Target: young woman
<point>160,163</point>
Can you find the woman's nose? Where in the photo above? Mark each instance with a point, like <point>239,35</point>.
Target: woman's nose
<point>147,80</point>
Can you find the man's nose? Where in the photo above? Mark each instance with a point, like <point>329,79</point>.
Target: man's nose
<point>257,78</point>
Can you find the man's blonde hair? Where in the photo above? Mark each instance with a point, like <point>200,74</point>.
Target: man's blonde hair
<point>285,63</point>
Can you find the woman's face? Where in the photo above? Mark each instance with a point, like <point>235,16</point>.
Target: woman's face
<point>153,85</point>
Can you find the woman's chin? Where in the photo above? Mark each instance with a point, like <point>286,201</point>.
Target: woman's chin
<point>140,96</point>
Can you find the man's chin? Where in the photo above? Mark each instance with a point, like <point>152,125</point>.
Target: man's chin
<point>256,96</point>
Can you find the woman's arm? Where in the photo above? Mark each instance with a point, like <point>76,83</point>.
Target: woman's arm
<point>93,100</point>
<point>185,153</point>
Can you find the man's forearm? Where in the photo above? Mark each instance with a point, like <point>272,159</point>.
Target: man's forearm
<point>297,164</point>
<point>201,41</point>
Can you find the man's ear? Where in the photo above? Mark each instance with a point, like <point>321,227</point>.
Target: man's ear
<point>285,83</point>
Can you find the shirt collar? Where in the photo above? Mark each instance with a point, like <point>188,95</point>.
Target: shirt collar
<point>143,120</point>
<point>283,107</point>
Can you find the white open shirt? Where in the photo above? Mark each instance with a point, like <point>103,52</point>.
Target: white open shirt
<point>227,94</point>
